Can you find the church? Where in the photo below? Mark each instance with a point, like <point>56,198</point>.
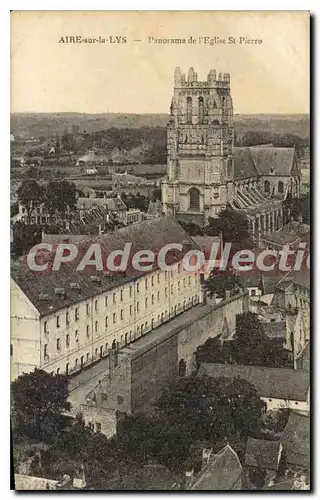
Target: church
<point>206,172</point>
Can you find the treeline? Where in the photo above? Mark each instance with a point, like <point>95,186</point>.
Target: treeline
<point>151,140</point>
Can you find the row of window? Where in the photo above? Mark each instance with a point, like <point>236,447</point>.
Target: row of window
<point>140,328</point>
<point>96,306</point>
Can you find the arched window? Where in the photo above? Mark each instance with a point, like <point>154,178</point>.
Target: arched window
<point>201,110</point>
<point>280,187</point>
<point>189,110</point>
<point>214,105</point>
<point>267,186</point>
<point>194,199</point>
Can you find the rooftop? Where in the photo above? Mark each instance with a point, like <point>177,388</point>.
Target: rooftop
<point>254,161</point>
<point>262,453</point>
<point>53,290</point>
<point>279,383</point>
<point>291,233</point>
<point>223,472</point>
<point>296,440</point>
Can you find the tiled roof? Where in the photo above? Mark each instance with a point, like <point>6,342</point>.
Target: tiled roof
<point>254,161</point>
<point>147,235</point>
<point>222,473</point>
<point>280,159</point>
<point>262,453</point>
<point>244,166</point>
<point>279,383</point>
<point>108,203</point>
<point>296,440</point>
<point>294,231</point>
<point>301,278</point>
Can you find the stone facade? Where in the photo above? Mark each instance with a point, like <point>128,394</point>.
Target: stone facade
<point>206,173</point>
<point>200,147</point>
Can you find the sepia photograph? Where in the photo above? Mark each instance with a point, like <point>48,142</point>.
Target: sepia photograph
<point>160,222</point>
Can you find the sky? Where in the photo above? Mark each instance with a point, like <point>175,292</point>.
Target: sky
<point>137,76</point>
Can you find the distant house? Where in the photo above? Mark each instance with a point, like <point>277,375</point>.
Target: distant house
<point>222,472</point>
<point>277,387</point>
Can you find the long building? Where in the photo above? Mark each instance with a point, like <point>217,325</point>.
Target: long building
<point>66,320</point>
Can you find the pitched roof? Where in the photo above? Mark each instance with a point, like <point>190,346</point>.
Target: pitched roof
<point>296,440</point>
<point>254,161</point>
<point>244,166</point>
<point>147,235</point>
<point>262,453</point>
<point>289,234</point>
<point>279,383</point>
<point>223,472</point>
<point>280,159</point>
<point>108,203</point>
<point>301,278</point>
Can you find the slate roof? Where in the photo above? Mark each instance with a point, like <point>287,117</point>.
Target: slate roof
<point>244,166</point>
<point>301,278</point>
<point>278,383</point>
<point>147,235</point>
<point>222,473</point>
<point>296,440</point>
<point>254,161</point>
<point>108,203</point>
<point>280,159</point>
<point>289,234</point>
<point>262,453</point>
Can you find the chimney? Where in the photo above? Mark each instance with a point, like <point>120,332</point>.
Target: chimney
<point>214,298</point>
<point>228,294</point>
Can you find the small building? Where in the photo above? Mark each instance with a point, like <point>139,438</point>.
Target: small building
<point>277,387</point>
<point>222,472</point>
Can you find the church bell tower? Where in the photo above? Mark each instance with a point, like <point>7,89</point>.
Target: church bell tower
<point>200,140</point>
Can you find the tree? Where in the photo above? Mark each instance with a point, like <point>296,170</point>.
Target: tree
<point>59,197</point>
<point>24,237</point>
<point>234,228</point>
<point>218,283</point>
<point>191,228</point>
<point>213,409</point>
<point>38,401</point>
<point>250,343</point>
<point>30,196</point>
<point>156,195</point>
